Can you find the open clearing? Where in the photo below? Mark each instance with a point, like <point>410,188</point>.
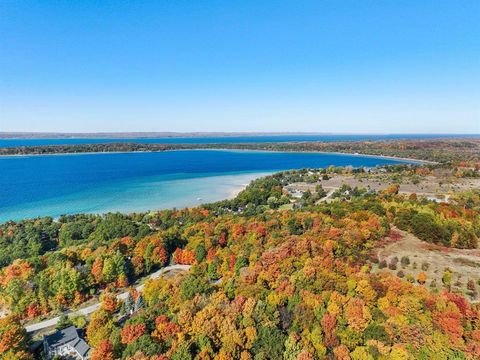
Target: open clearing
<point>433,260</point>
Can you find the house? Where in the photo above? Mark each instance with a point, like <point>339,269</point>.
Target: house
<point>66,343</point>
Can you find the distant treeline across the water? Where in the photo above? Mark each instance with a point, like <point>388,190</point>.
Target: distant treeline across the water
<point>440,150</point>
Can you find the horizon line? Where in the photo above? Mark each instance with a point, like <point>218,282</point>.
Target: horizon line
<point>153,134</point>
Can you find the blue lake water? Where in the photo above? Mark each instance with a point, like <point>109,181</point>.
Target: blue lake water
<point>32,186</point>
<point>224,140</point>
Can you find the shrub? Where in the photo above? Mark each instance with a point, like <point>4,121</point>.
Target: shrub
<point>392,266</point>
<point>405,261</point>
<point>393,263</point>
<point>422,278</point>
<point>447,277</point>
<point>471,285</point>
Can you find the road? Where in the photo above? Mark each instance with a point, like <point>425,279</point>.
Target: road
<point>91,308</point>
<point>326,197</point>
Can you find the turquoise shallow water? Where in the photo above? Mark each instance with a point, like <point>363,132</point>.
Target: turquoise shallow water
<point>136,195</point>
<point>53,185</point>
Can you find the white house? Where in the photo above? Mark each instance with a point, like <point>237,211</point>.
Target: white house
<point>66,343</point>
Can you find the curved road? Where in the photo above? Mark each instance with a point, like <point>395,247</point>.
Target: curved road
<point>90,309</point>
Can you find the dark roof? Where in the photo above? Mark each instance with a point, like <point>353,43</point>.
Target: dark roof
<point>62,336</point>
<point>68,335</point>
<point>81,347</point>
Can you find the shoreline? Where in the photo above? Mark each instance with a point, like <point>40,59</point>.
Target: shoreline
<point>234,192</point>
<point>227,189</point>
<point>388,157</point>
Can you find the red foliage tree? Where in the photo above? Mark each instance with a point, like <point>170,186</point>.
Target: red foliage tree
<point>132,332</point>
<point>260,230</point>
<point>222,239</point>
<point>461,303</point>
<point>329,322</point>
<point>33,311</point>
<point>450,323</point>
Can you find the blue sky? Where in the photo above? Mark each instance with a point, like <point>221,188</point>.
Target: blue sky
<point>321,66</point>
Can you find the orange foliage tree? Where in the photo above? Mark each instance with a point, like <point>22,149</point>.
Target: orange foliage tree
<point>132,332</point>
<point>104,351</point>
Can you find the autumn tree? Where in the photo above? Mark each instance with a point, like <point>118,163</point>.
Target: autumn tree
<point>104,351</point>
<point>97,269</point>
<point>109,302</point>
<point>422,278</point>
<point>164,329</point>
<point>113,267</point>
<point>132,332</point>
<point>269,343</point>
<point>100,327</point>
<point>13,339</point>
